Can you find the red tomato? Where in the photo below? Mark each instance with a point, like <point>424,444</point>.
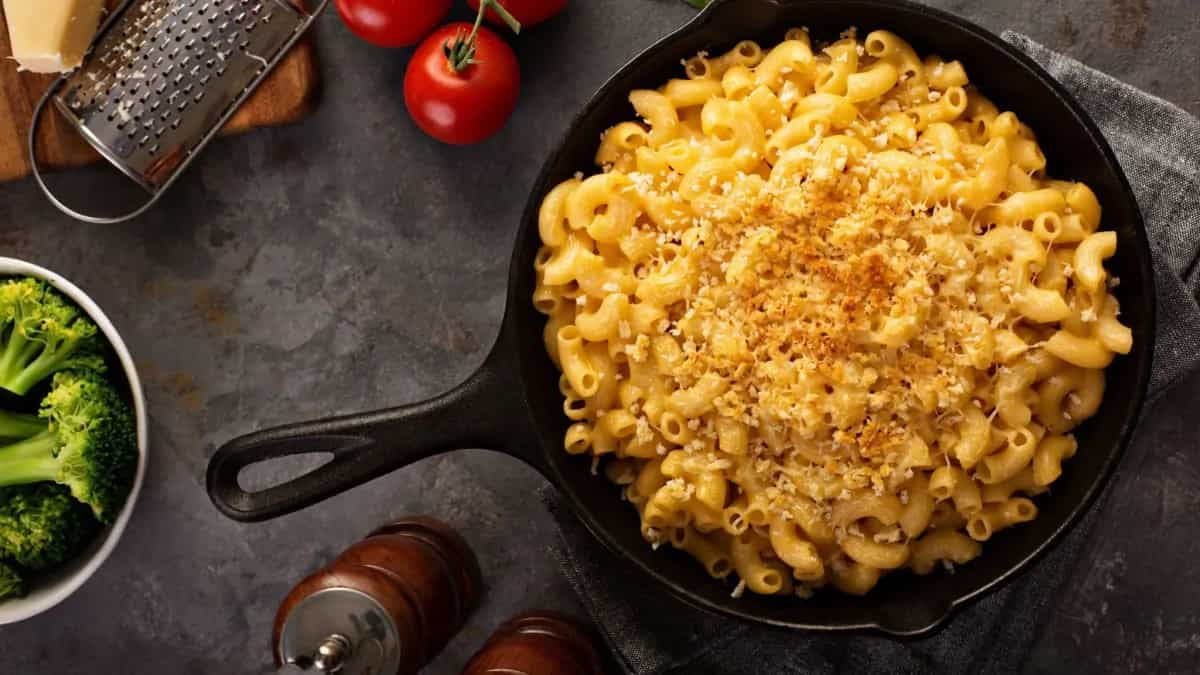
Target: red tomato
<point>528,12</point>
<point>469,105</point>
<point>392,23</point>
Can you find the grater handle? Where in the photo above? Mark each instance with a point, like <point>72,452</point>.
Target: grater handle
<point>34,125</point>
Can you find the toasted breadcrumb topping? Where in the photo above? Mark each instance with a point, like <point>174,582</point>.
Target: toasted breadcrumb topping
<point>825,299</point>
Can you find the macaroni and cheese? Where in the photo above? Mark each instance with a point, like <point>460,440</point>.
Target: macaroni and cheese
<point>823,315</point>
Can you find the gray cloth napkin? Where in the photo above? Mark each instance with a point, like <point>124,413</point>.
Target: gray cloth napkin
<point>652,633</point>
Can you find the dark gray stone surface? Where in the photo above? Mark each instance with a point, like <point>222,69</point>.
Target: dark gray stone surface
<point>348,263</point>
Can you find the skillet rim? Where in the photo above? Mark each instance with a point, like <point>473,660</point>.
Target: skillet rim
<point>1143,366</point>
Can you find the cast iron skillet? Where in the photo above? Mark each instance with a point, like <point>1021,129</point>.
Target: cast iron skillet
<point>512,403</point>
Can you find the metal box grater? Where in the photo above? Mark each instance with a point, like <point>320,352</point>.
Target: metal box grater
<point>162,78</point>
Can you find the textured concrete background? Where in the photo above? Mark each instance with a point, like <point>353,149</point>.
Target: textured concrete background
<point>348,263</point>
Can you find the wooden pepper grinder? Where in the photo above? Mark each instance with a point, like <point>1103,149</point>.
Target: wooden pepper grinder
<point>537,643</point>
<point>386,606</point>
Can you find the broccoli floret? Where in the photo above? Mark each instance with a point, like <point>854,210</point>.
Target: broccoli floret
<point>41,334</point>
<point>42,525</point>
<point>88,444</point>
<point>11,583</point>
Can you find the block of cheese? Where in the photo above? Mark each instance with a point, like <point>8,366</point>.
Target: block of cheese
<point>51,36</point>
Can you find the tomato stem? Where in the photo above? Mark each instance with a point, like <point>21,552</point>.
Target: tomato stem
<point>503,13</point>
<point>460,53</point>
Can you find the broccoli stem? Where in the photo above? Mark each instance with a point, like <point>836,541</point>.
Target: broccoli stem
<point>16,425</point>
<point>12,350</point>
<point>29,461</point>
<point>19,351</point>
<point>47,362</point>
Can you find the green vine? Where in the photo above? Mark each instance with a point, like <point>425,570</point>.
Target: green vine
<point>460,52</point>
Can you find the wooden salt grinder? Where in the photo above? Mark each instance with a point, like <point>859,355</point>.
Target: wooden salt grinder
<point>386,606</point>
<point>537,643</point>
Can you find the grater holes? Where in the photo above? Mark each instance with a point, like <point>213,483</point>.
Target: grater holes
<point>163,58</point>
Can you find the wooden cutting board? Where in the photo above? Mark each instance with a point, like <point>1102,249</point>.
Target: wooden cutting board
<point>285,96</point>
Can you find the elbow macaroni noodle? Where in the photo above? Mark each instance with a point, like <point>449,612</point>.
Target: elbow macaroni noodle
<point>823,315</point>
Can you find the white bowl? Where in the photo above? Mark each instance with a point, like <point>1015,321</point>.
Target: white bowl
<point>55,587</point>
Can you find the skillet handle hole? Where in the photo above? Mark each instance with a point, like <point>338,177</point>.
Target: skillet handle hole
<point>277,471</point>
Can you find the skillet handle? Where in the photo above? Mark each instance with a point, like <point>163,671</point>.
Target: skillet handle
<point>486,411</point>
